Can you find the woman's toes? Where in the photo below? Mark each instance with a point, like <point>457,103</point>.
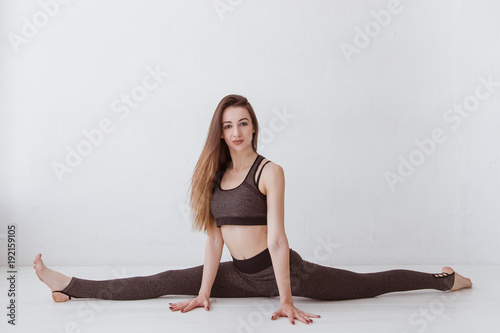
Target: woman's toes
<point>447,269</point>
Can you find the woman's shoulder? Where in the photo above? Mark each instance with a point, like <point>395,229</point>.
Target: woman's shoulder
<point>272,162</point>
<point>271,171</point>
<point>269,163</point>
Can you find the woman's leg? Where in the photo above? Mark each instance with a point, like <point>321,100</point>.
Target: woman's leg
<point>229,282</point>
<point>328,283</point>
<point>172,282</point>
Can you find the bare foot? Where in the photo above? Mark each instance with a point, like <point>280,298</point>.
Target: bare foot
<point>460,281</point>
<point>54,280</point>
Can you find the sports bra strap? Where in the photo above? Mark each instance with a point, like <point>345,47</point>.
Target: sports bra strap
<point>260,172</point>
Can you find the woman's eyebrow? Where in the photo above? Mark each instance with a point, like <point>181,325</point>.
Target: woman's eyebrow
<point>228,121</point>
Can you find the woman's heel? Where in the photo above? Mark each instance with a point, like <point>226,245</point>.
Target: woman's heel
<point>60,296</point>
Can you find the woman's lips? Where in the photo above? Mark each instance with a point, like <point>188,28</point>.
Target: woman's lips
<point>237,142</point>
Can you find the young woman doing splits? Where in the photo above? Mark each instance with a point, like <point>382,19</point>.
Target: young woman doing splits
<point>237,199</point>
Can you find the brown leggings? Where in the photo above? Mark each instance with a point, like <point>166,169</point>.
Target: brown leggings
<point>307,279</point>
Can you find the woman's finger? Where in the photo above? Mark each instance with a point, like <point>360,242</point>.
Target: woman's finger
<point>290,315</point>
<point>305,315</point>
<point>187,308</point>
<point>312,315</point>
<point>193,304</point>
<point>177,306</point>
<point>177,303</point>
<point>294,316</point>
<point>276,315</point>
<point>190,306</point>
<point>303,319</point>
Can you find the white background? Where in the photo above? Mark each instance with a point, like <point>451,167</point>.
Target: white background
<point>351,118</point>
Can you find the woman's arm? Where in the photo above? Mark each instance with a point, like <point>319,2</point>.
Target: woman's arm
<point>277,242</point>
<point>213,254</point>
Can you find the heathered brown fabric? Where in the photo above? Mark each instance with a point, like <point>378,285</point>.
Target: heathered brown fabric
<point>307,279</point>
<point>242,205</point>
<point>245,204</point>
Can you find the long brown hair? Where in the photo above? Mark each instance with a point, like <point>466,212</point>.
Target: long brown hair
<point>213,161</point>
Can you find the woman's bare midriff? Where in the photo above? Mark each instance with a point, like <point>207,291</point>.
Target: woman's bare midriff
<point>244,241</point>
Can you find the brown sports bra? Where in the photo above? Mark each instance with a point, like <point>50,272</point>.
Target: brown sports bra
<point>242,205</point>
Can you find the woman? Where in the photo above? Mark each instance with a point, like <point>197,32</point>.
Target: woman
<point>237,199</point>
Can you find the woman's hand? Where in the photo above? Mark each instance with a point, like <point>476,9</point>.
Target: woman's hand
<point>290,311</point>
<point>191,304</point>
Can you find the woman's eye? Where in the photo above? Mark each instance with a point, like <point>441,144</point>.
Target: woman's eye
<point>229,126</point>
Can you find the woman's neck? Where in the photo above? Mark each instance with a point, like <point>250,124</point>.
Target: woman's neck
<point>241,160</point>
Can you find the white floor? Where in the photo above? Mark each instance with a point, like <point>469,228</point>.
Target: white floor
<point>471,310</point>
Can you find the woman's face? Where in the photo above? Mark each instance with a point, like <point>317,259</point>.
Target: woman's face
<point>237,128</point>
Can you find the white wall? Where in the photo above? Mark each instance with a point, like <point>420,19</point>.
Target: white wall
<point>341,110</point>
